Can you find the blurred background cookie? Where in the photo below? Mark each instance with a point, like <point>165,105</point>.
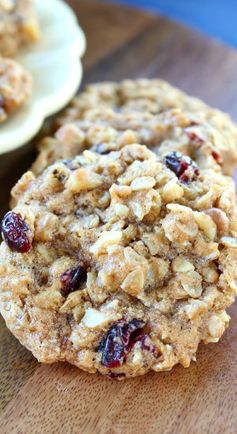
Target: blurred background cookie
<point>18,25</point>
<point>15,87</point>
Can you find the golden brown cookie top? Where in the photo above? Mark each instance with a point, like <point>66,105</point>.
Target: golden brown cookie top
<point>121,262</point>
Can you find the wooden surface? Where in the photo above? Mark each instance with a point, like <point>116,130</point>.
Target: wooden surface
<point>60,398</point>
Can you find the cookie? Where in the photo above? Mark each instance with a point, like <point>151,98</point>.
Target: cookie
<point>120,263</point>
<point>150,96</point>
<point>173,130</point>
<point>15,87</point>
<point>18,25</point>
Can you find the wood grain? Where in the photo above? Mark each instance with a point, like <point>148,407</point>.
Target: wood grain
<point>59,398</point>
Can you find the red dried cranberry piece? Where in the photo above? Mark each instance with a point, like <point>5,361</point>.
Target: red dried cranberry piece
<point>182,165</point>
<point>118,341</point>
<point>217,157</point>
<point>14,231</point>
<point>143,338</point>
<point>147,346</point>
<point>195,138</point>
<point>112,347</point>
<point>72,279</point>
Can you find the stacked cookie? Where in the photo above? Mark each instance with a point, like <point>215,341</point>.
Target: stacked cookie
<point>18,28</point>
<point>119,255</point>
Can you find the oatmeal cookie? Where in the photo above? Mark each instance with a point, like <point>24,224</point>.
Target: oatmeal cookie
<point>120,263</point>
<point>173,130</point>
<point>150,96</point>
<point>18,25</point>
<point>15,87</point>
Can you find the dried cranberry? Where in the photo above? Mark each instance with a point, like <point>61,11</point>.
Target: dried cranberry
<point>118,341</point>
<point>182,165</point>
<point>195,138</point>
<point>147,346</point>
<point>72,279</point>
<point>14,231</point>
<point>143,338</point>
<point>217,157</point>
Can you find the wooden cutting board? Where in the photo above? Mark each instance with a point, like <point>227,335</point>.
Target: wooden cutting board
<point>60,398</point>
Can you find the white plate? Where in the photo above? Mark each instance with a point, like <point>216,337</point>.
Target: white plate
<point>55,65</point>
